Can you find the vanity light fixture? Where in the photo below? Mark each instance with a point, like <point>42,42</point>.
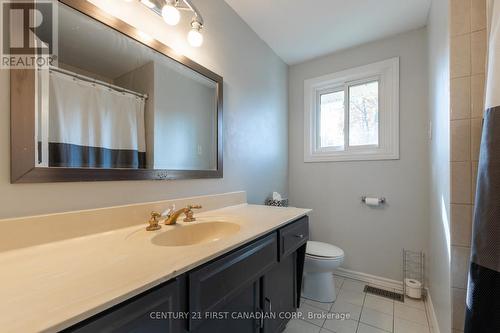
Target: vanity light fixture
<point>170,11</point>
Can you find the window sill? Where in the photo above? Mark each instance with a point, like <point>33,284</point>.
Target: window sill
<point>350,156</point>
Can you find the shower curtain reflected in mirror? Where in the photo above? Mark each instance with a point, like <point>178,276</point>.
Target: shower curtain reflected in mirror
<point>93,126</point>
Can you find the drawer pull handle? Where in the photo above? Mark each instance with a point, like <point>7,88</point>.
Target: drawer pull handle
<point>270,304</point>
<point>299,236</point>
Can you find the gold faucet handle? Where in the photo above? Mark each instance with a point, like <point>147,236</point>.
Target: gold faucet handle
<point>154,222</point>
<point>189,213</point>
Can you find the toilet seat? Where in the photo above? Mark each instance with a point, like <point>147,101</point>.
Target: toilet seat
<point>324,258</point>
<point>323,251</point>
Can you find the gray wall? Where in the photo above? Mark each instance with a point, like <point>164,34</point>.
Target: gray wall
<point>185,119</point>
<point>439,106</point>
<point>372,239</point>
<point>255,120</point>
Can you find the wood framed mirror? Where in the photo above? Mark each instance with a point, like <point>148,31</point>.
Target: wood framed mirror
<point>117,106</point>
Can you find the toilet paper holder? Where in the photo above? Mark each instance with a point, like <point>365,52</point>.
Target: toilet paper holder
<point>381,200</point>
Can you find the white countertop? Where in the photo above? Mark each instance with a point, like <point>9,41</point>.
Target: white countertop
<point>49,287</point>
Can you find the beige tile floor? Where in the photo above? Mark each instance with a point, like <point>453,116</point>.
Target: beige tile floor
<point>367,313</point>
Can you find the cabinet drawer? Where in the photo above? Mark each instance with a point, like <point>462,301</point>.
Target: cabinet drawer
<point>293,236</point>
<point>213,286</point>
<point>139,314</point>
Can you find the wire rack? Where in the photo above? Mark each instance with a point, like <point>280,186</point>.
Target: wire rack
<point>414,268</point>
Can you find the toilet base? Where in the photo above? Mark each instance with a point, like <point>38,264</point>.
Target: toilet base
<point>319,287</point>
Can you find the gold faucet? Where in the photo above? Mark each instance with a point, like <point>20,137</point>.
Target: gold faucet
<point>188,211</point>
<point>154,222</point>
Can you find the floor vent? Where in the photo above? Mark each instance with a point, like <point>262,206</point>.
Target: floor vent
<point>384,293</point>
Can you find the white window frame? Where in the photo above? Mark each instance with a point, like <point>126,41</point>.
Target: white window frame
<point>387,74</point>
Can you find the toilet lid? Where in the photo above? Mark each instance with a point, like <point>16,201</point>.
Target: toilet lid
<point>319,249</point>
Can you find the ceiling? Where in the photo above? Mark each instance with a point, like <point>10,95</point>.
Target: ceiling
<point>299,30</point>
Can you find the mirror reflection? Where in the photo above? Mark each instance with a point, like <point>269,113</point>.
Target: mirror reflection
<point>123,106</point>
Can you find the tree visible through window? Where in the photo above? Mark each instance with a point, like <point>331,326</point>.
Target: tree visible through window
<point>362,114</point>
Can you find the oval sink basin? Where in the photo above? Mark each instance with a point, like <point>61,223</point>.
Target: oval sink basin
<point>196,234</point>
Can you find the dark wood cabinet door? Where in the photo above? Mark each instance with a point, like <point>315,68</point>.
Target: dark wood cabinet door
<point>246,302</point>
<point>146,313</point>
<point>279,293</point>
<point>212,286</point>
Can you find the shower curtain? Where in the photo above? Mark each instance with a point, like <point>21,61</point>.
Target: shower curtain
<point>93,126</point>
<point>483,292</point>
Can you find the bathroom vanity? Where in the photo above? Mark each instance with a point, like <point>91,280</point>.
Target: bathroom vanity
<point>253,281</point>
<point>102,271</point>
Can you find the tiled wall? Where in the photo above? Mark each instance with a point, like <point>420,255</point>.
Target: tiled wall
<point>468,56</point>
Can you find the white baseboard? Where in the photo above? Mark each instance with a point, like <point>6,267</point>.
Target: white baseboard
<point>370,279</point>
<point>431,314</point>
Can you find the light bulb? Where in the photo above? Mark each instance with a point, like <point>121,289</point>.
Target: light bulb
<point>195,38</point>
<point>170,14</point>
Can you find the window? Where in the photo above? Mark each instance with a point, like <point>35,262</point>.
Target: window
<point>363,114</point>
<point>353,114</point>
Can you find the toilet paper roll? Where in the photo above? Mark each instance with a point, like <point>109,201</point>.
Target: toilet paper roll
<point>413,283</point>
<point>413,288</point>
<point>374,202</point>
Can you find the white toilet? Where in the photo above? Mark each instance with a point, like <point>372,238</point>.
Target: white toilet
<point>321,260</point>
